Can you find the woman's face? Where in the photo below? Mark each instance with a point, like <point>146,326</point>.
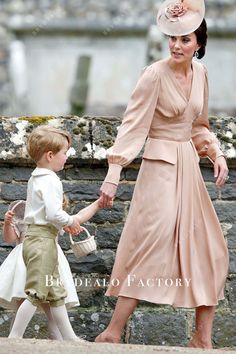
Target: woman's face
<point>182,48</point>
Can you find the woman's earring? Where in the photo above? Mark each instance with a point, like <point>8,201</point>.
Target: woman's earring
<point>196,54</point>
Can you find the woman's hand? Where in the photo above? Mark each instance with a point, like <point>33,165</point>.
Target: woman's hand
<point>220,171</point>
<point>107,193</point>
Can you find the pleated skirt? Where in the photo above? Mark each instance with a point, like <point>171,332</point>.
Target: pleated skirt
<point>172,249</point>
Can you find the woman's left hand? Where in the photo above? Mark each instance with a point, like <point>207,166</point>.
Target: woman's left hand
<point>107,194</point>
<point>220,171</point>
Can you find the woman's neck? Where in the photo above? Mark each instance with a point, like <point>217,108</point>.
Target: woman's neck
<point>180,68</point>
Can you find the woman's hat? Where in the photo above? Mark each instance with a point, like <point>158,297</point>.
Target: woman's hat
<point>180,17</point>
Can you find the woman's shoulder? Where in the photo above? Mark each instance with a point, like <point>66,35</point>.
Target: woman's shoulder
<point>155,70</point>
<point>200,67</point>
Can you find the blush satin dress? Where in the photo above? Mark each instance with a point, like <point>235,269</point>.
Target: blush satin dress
<point>172,249</point>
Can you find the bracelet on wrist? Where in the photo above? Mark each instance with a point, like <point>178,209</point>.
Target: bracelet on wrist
<point>221,156</point>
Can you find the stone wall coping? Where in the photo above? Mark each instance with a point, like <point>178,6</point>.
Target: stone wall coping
<point>91,137</point>
<point>70,25</point>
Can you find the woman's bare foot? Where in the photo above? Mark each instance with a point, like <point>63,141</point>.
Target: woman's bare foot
<point>198,342</point>
<point>106,337</point>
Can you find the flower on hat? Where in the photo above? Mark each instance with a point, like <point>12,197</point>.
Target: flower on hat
<point>180,17</point>
<point>173,11</point>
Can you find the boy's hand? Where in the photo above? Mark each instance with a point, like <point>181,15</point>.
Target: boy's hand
<point>71,230</point>
<point>101,205</point>
<point>74,228</point>
<point>8,218</point>
<point>110,204</point>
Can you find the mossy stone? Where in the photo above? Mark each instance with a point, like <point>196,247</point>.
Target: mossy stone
<point>37,120</point>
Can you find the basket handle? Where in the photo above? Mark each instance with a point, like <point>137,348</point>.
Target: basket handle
<point>82,229</point>
<point>19,201</point>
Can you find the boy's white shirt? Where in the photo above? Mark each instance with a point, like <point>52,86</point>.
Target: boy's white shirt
<point>44,200</point>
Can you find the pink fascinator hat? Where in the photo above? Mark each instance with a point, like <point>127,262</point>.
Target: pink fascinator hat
<point>180,17</point>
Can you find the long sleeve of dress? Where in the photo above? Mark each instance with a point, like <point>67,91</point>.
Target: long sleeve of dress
<point>135,125</point>
<point>205,142</point>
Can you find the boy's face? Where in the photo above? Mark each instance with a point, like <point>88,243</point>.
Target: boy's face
<point>58,160</point>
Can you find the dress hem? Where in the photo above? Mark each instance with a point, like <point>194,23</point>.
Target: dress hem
<point>169,302</point>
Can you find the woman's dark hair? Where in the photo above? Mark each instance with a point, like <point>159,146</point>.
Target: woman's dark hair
<point>201,34</point>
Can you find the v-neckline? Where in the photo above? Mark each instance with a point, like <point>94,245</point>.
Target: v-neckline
<point>187,100</point>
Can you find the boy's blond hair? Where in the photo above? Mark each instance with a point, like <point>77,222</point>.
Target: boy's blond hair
<point>44,139</point>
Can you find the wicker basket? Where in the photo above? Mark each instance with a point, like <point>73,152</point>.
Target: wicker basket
<point>83,248</point>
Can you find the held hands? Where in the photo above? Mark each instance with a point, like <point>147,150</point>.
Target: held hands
<point>107,193</point>
<point>74,228</point>
<point>220,171</point>
<point>100,203</point>
<point>8,218</point>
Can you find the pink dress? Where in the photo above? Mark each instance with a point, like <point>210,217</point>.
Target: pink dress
<point>172,249</point>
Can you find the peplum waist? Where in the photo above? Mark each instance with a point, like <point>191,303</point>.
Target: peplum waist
<point>160,149</point>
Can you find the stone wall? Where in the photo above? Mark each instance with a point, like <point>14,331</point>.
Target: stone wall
<point>82,177</point>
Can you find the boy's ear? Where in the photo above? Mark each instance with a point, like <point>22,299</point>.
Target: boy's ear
<point>49,155</point>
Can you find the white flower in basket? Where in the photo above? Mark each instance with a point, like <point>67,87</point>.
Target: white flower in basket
<point>83,248</point>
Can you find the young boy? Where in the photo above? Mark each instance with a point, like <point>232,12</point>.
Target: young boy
<point>44,217</point>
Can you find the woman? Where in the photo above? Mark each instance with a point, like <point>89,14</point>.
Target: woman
<point>172,250</point>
